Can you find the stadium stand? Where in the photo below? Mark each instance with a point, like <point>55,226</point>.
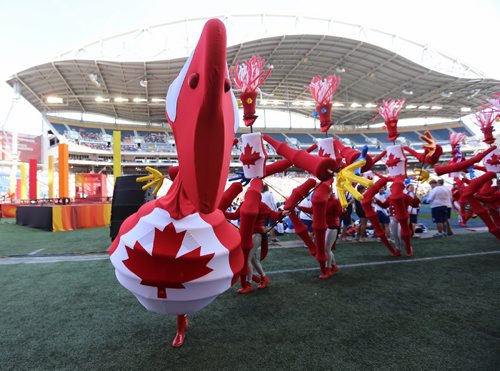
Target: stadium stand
<point>153,136</point>
<point>441,135</point>
<point>464,130</point>
<point>358,139</point>
<point>277,136</point>
<point>412,136</point>
<point>60,128</point>
<point>381,137</point>
<point>303,138</point>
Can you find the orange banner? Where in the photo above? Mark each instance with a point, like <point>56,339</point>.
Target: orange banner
<point>71,217</point>
<point>8,211</point>
<point>63,170</point>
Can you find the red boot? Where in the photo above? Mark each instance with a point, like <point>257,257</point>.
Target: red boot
<point>246,286</point>
<point>256,278</point>
<point>182,325</point>
<point>325,272</point>
<point>264,282</point>
<point>333,270</point>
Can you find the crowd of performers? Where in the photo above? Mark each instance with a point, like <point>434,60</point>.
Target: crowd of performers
<point>177,253</point>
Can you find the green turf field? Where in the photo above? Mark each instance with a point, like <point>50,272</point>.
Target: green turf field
<point>20,240</point>
<point>434,314</point>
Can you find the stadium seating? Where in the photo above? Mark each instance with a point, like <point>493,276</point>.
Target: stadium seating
<point>441,135</point>
<point>60,128</point>
<point>463,130</point>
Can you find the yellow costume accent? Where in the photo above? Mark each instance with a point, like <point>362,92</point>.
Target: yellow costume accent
<point>155,179</point>
<point>346,177</point>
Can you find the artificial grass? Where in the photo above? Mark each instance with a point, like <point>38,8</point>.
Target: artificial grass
<point>20,240</point>
<point>440,314</point>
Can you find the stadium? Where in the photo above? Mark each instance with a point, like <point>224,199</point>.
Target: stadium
<point>103,112</point>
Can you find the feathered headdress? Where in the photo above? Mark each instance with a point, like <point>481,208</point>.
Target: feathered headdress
<point>390,109</point>
<point>247,77</point>
<point>322,91</point>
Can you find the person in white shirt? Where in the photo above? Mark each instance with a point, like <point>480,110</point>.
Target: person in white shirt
<point>439,199</point>
<point>268,199</point>
<point>382,213</point>
<point>447,225</point>
<point>305,217</point>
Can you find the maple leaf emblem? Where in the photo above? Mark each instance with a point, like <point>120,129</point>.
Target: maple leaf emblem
<point>322,153</point>
<point>494,160</point>
<point>392,161</point>
<point>248,157</point>
<point>162,269</point>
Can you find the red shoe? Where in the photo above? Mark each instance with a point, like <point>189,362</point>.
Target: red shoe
<point>334,270</point>
<point>180,336</point>
<point>264,282</point>
<point>409,251</point>
<point>396,253</point>
<point>326,275</point>
<point>246,289</point>
<point>256,278</point>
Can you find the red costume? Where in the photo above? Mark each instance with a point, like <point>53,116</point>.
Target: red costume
<point>253,213</point>
<point>178,252</point>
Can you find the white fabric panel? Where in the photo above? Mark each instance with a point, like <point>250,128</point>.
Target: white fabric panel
<point>196,293</point>
<point>254,140</point>
<point>492,161</point>
<point>393,154</point>
<point>326,144</point>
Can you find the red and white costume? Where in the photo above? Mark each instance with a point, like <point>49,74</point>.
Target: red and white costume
<point>178,253</point>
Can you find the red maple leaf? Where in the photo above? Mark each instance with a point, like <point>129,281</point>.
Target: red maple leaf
<point>494,160</point>
<point>162,269</point>
<point>248,157</point>
<point>322,153</point>
<point>392,160</point>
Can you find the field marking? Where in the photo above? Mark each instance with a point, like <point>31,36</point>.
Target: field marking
<point>36,251</point>
<point>52,259</point>
<point>79,258</point>
<point>411,260</point>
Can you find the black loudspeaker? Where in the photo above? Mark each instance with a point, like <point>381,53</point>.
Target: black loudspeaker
<point>128,197</point>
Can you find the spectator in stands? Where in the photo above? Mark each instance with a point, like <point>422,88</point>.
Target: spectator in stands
<point>268,199</point>
<point>439,200</point>
<point>447,225</point>
<point>382,213</point>
<point>361,215</point>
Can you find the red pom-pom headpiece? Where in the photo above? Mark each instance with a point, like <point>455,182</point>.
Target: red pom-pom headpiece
<point>247,77</point>
<point>322,92</point>
<point>390,109</point>
<point>485,119</point>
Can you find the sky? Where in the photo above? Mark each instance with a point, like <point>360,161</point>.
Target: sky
<point>34,31</point>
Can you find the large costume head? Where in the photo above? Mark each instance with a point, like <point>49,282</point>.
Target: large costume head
<point>203,114</point>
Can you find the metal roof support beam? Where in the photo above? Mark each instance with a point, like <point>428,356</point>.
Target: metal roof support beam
<point>147,91</point>
<point>339,63</point>
<point>299,63</point>
<point>236,55</point>
<point>32,92</point>
<point>67,85</point>
<point>106,88</point>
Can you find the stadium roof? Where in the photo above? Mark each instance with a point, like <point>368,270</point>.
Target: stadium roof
<point>100,77</point>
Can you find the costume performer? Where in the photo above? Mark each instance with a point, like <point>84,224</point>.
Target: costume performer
<point>178,252</point>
